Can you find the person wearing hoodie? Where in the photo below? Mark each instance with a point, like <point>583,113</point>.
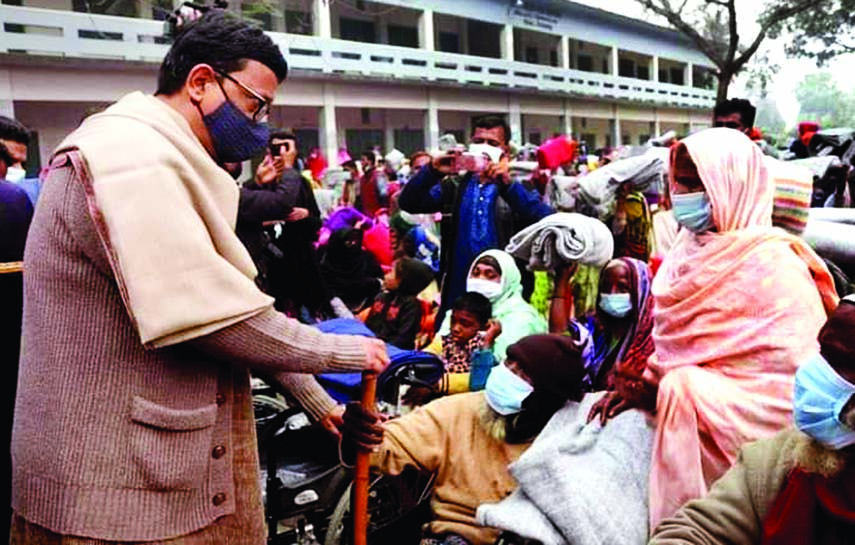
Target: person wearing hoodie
<point>396,314</point>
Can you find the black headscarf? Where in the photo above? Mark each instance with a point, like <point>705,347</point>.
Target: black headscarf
<point>554,365</point>
<point>350,272</point>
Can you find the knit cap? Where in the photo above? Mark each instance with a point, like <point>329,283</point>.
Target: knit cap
<point>552,362</point>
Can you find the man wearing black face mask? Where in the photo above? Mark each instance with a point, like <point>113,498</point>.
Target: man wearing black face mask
<point>797,488</point>
<point>133,421</point>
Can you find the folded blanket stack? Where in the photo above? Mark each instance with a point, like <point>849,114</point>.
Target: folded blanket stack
<point>564,237</point>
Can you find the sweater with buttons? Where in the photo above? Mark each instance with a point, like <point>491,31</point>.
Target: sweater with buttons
<point>116,441</point>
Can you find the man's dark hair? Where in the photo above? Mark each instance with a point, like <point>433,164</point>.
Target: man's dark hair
<point>13,131</point>
<point>222,41</point>
<point>372,158</point>
<point>476,304</point>
<point>5,156</point>
<point>491,122</point>
<point>281,134</point>
<point>740,106</point>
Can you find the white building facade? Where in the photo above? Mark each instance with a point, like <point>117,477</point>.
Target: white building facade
<point>393,74</point>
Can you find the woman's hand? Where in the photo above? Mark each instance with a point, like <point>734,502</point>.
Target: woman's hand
<point>609,406</point>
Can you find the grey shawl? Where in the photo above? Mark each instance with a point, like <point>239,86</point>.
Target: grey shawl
<point>579,483</point>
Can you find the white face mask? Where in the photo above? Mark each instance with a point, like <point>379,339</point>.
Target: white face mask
<point>492,152</point>
<point>490,290</point>
<point>15,174</point>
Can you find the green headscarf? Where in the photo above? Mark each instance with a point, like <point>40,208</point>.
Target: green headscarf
<point>518,318</point>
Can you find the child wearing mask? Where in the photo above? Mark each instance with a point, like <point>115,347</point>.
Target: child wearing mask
<point>396,314</point>
<point>466,348</point>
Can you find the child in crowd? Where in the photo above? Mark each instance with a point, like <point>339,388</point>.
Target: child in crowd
<point>466,349</point>
<point>396,314</point>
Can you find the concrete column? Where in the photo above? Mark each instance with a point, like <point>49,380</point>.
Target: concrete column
<point>323,22</point>
<point>615,127</point>
<point>515,119</point>
<point>567,118</point>
<point>7,106</point>
<point>382,31</point>
<point>144,9</point>
<point>614,61</point>
<point>690,77</point>
<point>654,68</point>
<point>564,52</point>
<point>388,132</point>
<point>328,126</point>
<point>278,17</point>
<point>507,38</point>
<point>431,122</point>
<point>657,125</point>
<point>426,31</point>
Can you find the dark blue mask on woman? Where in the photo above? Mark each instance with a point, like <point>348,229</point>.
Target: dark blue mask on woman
<point>235,137</point>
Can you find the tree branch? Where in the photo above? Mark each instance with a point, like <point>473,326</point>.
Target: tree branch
<point>776,16</point>
<point>685,28</point>
<point>734,34</point>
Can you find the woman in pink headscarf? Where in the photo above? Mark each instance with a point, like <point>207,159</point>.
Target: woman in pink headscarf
<point>738,306</point>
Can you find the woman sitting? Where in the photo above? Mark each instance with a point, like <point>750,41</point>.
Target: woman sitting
<point>738,305</point>
<point>495,275</point>
<point>351,273</point>
<point>619,331</point>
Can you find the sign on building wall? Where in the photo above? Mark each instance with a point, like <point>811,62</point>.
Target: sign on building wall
<point>538,20</point>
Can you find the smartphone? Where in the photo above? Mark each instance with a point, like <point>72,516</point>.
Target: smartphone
<point>471,162</point>
<point>276,148</point>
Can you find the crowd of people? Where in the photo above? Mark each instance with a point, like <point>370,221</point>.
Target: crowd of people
<point>638,344</point>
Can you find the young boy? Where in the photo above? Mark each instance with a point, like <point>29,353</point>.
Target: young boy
<point>469,341</point>
<point>396,314</point>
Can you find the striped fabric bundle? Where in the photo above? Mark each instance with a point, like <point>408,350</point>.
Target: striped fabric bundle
<point>793,189</point>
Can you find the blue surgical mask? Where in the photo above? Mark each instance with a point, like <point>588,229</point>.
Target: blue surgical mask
<point>693,211</point>
<point>506,391</point>
<point>820,396</point>
<point>616,304</point>
<point>236,137</point>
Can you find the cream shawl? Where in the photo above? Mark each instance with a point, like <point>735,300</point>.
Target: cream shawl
<point>166,213</point>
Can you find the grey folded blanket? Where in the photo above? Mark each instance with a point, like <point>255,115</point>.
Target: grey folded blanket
<point>579,483</point>
<point>563,237</point>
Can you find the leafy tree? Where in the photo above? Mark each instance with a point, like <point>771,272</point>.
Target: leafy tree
<point>822,100</point>
<point>713,27</point>
<point>820,34</point>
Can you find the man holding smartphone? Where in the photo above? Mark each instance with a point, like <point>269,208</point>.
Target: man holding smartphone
<point>480,210</point>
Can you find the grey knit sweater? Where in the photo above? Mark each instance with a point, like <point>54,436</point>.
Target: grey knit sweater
<point>113,441</point>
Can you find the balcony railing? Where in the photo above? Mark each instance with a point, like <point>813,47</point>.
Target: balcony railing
<point>78,35</point>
